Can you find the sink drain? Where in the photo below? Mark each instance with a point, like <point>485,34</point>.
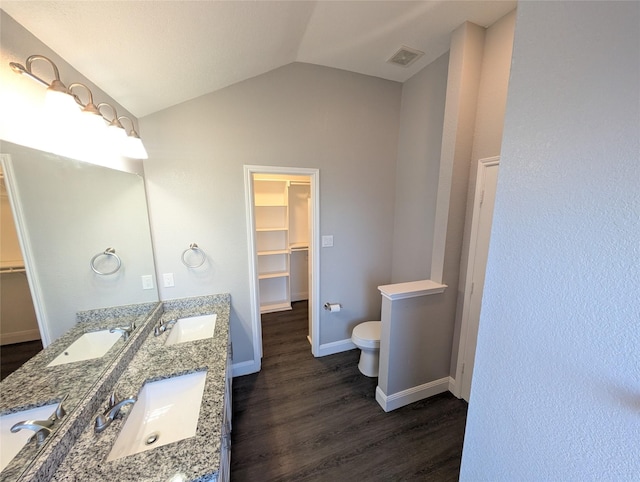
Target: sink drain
<point>152,438</point>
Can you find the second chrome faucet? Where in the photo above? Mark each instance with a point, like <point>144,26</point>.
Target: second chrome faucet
<point>103,420</point>
<point>163,326</point>
<point>124,330</point>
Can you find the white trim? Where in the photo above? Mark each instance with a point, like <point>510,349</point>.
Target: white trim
<point>27,251</point>
<point>411,289</point>
<point>314,251</point>
<point>245,368</point>
<point>19,336</point>
<point>299,296</point>
<point>464,324</point>
<point>253,266</point>
<point>335,347</point>
<point>413,394</point>
<point>453,386</point>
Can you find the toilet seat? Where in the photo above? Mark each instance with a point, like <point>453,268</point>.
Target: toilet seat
<point>367,334</point>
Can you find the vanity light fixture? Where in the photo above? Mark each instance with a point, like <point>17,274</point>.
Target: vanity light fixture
<point>131,144</point>
<point>115,128</point>
<point>90,111</point>
<point>134,147</point>
<point>58,95</point>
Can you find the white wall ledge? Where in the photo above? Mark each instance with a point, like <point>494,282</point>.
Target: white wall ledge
<point>411,289</point>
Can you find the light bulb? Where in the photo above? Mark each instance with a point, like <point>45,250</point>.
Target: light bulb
<point>61,106</point>
<point>93,122</point>
<point>134,148</point>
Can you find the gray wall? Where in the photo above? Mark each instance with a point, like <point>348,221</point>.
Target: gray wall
<point>300,115</point>
<point>438,312</point>
<point>487,136</point>
<point>555,389</point>
<point>419,144</point>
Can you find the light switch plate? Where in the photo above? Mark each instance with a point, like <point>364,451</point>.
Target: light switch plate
<point>168,280</point>
<point>327,241</point>
<point>147,282</point>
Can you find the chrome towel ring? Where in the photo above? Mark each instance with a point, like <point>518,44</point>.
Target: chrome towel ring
<point>201,257</point>
<point>109,252</point>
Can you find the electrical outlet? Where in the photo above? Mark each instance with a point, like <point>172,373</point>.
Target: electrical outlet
<point>147,282</point>
<point>327,241</point>
<point>168,280</point>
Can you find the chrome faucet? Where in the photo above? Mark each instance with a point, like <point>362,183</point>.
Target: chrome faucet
<point>164,326</point>
<point>42,429</point>
<point>60,411</point>
<point>125,330</point>
<point>103,420</point>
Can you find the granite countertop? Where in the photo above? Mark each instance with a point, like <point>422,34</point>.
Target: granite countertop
<point>35,384</point>
<point>194,458</point>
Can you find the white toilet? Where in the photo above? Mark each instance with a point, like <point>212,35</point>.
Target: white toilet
<point>366,336</point>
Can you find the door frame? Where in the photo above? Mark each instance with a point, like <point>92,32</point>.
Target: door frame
<point>314,254</point>
<point>483,164</point>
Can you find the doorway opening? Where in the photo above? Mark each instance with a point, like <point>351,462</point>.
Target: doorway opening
<point>20,336</point>
<point>282,226</point>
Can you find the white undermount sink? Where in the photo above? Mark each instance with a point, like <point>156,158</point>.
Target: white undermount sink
<point>166,411</point>
<point>90,345</point>
<point>12,443</point>
<point>191,329</point>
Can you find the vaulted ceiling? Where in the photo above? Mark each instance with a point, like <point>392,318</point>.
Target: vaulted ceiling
<point>150,55</point>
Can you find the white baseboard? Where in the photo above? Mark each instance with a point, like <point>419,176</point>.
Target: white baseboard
<point>245,368</point>
<point>301,296</point>
<point>19,337</point>
<point>250,366</point>
<point>453,387</point>
<point>410,395</point>
<point>335,347</point>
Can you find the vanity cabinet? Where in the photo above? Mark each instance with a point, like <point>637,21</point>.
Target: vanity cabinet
<point>80,386</point>
<point>225,450</point>
<point>81,453</point>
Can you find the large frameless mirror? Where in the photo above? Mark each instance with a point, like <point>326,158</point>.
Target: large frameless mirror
<point>75,238</point>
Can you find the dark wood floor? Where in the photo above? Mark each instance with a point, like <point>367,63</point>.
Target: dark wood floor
<point>305,418</point>
<point>14,356</point>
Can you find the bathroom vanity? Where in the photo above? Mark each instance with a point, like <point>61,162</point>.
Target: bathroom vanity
<point>85,364</point>
<point>40,382</point>
<point>76,451</point>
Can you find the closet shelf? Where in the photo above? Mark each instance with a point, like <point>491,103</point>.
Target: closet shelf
<point>275,306</point>
<point>273,274</point>
<point>266,230</point>
<point>12,269</point>
<point>272,252</point>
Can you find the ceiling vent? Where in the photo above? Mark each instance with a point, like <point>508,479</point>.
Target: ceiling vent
<point>405,56</point>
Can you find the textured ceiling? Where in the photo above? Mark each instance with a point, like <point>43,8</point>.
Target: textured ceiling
<point>150,55</point>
